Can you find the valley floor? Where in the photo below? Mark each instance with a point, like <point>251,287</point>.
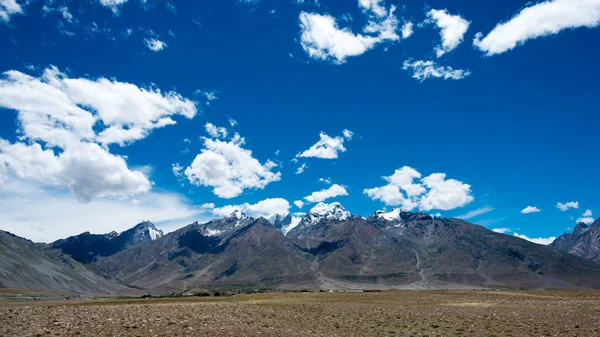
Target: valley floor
<point>404,313</point>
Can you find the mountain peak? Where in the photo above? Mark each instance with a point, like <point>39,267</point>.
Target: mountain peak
<point>147,227</point>
<point>333,211</point>
<point>400,216</point>
<point>237,214</point>
<point>393,215</point>
<point>580,228</point>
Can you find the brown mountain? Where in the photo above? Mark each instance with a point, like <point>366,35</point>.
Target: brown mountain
<point>333,249</point>
<point>29,265</point>
<point>583,242</point>
<point>232,250</point>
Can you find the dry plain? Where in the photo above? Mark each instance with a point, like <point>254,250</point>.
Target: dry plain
<point>393,313</point>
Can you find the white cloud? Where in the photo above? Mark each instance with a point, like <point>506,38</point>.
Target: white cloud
<point>444,194</point>
<point>232,122</point>
<point>299,203</point>
<point>155,44</point>
<point>63,121</point>
<point>431,192</point>
<point>215,132</point>
<point>264,208</point>
<point>177,170</point>
<point>334,191</point>
<point>209,96</point>
<point>530,209</point>
<point>8,8</point>
<point>301,169</point>
<point>64,11</point>
<point>325,180</point>
<point>564,207</point>
<point>326,148</point>
<point>229,168</point>
<point>47,215</point>
<point>539,241</point>
<point>501,230</point>
<point>538,20</point>
<point>114,5</point>
<point>476,212</point>
<point>348,134</point>
<point>407,30</point>
<point>422,70</point>
<point>208,205</point>
<point>323,39</point>
<point>452,29</point>
<point>586,218</point>
<point>372,7</point>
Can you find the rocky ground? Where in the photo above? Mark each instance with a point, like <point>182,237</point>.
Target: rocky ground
<point>404,313</point>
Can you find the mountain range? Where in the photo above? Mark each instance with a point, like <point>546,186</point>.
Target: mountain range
<point>330,248</point>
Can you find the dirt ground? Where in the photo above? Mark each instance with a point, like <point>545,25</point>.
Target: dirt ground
<point>403,313</point>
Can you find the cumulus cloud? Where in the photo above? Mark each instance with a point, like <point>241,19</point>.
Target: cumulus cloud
<point>65,124</point>
<point>229,168</point>
<point>264,208</point>
<point>567,205</point>
<point>326,148</point>
<point>539,20</point>
<point>323,39</point>
<point>444,194</point>
<point>215,132</point>
<point>476,212</point>
<point>452,29</point>
<point>333,191</point>
<point>423,70</point>
<point>299,203</point>
<point>155,44</point>
<point>530,209</point>
<point>8,8</point>
<point>114,5</point>
<point>348,134</point>
<point>431,192</point>
<point>501,230</point>
<point>539,241</point>
<point>586,218</point>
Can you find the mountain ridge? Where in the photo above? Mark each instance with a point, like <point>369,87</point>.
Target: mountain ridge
<point>332,249</point>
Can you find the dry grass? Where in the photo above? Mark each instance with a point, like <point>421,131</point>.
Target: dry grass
<point>405,313</point>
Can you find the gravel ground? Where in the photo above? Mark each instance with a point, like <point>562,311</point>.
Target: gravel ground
<point>404,313</point>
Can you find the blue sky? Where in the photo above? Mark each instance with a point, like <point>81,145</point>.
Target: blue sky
<point>509,112</point>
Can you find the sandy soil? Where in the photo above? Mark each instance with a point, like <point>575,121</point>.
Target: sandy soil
<point>404,313</point>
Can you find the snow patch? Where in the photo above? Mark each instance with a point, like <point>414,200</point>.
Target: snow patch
<point>154,234</point>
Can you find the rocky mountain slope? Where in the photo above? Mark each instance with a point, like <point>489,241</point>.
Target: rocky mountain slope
<point>28,265</point>
<point>583,242</point>
<point>332,249</point>
<point>88,247</point>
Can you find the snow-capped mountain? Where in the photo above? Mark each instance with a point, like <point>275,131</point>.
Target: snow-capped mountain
<point>388,248</point>
<point>320,214</point>
<point>333,211</point>
<point>393,215</point>
<point>223,226</point>
<point>87,247</point>
<point>279,221</point>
